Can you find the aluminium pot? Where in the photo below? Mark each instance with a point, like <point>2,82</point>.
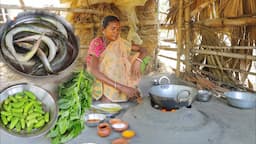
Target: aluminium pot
<point>243,100</point>
<point>204,95</point>
<point>172,96</point>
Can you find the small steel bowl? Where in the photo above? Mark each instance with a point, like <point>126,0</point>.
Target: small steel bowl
<point>93,119</point>
<point>42,95</point>
<point>204,96</point>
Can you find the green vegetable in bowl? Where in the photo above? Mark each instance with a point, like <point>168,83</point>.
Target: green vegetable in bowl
<point>22,112</point>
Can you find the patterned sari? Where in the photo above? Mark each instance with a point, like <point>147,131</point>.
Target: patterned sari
<point>115,62</point>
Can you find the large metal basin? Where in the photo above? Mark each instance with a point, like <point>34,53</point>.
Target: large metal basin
<point>242,100</point>
<point>172,96</point>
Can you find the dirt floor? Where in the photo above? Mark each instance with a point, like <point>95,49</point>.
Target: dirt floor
<point>213,122</point>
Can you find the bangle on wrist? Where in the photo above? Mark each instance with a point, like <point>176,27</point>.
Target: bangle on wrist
<point>140,60</point>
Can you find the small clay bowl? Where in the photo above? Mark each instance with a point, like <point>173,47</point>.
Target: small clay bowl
<point>104,129</point>
<point>120,126</point>
<point>114,120</point>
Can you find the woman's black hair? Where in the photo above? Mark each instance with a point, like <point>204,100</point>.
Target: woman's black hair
<point>108,19</point>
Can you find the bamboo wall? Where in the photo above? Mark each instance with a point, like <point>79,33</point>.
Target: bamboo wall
<point>217,38</point>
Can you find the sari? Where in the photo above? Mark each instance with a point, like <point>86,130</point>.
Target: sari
<point>115,62</point>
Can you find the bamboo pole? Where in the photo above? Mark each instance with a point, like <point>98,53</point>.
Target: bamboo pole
<point>225,22</point>
<point>227,47</point>
<point>211,60</point>
<point>225,54</point>
<point>167,48</point>
<point>123,24</point>
<point>76,10</point>
<point>188,44</point>
<point>167,26</point>
<point>22,5</point>
<point>200,8</point>
<point>224,68</point>
<point>171,58</point>
<point>179,36</point>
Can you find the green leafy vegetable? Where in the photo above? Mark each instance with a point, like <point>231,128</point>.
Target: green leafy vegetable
<point>74,99</point>
<point>144,63</point>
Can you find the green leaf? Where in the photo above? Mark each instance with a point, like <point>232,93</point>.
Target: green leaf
<point>63,125</point>
<point>65,103</point>
<point>53,132</point>
<point>56,140</point>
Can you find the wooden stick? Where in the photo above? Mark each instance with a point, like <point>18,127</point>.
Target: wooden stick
<point>188,44</point>
<point>179,36</point>
<point>226,54</point>
<point>224,68</point>
<point>76,10</point>
<point>222,22</point>
<point>226,47</point>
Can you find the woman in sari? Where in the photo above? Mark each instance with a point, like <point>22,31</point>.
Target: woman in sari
<point>109,59</point>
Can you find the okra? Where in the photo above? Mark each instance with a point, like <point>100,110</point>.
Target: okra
<point>4,119</point>
<point>6,113</point>
<point>22,122</point>
<point>18,127</point>
<point>38,111</point>
<point>27,107</point>
<point>30,95</point>
<point>29,129</point>
<point>31,122</point>
<point>17,114</point>
<point>14,121</point>
<point>9,118</point>
<point>46,117</point>
<point>39,124</point>
<point>17,110</point>
<point>7,101</point>
<point>12,98</point>
<point>7,107</point>
<point>18,104</point>
<point>18,96</point>
<point>33,116</point>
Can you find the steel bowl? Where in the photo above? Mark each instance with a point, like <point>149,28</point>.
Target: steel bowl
<point>93,119</point>
<point>203,95</point>
<point>25,19</point>
<point>42,95</point>
<point>243,100</point>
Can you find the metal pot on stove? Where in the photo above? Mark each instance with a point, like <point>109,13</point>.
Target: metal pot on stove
<point>171,96</point>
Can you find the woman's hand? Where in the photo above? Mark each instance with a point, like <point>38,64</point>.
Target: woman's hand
<point>135,69</point>
<point>130,92</point>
